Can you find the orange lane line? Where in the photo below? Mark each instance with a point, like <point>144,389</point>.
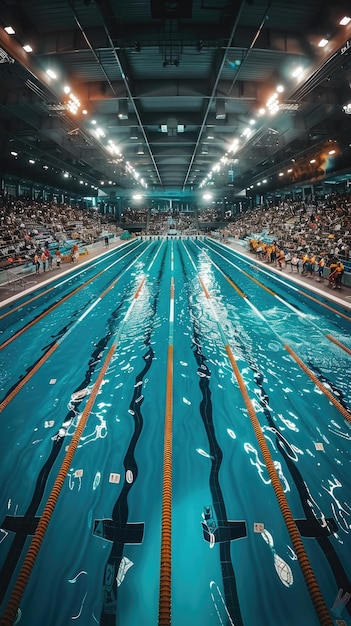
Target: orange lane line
<point>28,376</point>
<point>109,288</point>
<point>320,385</point>
<point>164,615</point>
<point>40,295</point>
<point>326,306</point>
<point>10,612</point>
<point>136,295</point>
<point>42,315</point>
<point>204,288</point>
<point>307,571</point>
<point>338,343</point>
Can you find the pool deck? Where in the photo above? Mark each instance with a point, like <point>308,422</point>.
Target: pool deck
<point>342,295</point>
<point>31,281</point>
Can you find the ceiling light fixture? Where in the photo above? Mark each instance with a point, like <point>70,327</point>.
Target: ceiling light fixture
<point>73,104</point>
<point>9,30</point>
<point>297,72</point>
<point>322,43</point>
<point>220,109</point>
<point>27,48</point>
<point>273,104</point>
<point>51,73</point>
<point>343,22</point>
<point>123,109</point>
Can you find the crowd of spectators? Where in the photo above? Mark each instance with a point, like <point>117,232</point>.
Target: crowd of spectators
<point>322,226</point>
<point>168,223</point>
<point>319,226</point>
<point>134,216</point>
<point>26,226</point>
<point>209,215</point>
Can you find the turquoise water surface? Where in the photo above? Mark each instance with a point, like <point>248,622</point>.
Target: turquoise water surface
<point>233,561</point>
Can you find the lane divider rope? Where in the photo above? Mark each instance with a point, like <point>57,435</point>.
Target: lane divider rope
<point>266,270</point>
<point>310,579</point>
<point>27,377</point>
<point>320,385</point>
<point>65,298</point>
<point>64,279</point>
<point>306,568</point>
<point>13,603</point>
<point>164,611</point>
<point>338,343</point>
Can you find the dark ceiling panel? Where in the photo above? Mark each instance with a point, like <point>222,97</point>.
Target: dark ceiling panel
<point>171,9</point>
<point>191,78</point>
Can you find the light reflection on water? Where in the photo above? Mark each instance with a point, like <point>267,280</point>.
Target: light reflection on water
<point>215,454</point>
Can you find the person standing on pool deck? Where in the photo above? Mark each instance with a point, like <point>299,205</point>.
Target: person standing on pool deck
<point>281,259</point>
<point>58,258</point>
<point>43,260</point>
<point>48,258</point>
<point>36,263</point>
<point>74,252</point>
<point>320,268</point>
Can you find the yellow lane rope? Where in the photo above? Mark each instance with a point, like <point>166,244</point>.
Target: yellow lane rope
<point>258,282</point>
<point>326,306</point>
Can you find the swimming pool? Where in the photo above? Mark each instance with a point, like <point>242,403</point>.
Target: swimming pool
<point>131,391</point>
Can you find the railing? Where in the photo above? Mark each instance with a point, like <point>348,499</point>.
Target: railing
<point>9,278</point>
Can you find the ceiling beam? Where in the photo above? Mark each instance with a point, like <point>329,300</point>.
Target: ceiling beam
<point>211,37</point>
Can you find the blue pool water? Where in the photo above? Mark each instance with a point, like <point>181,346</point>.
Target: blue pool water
<point>233,561</point>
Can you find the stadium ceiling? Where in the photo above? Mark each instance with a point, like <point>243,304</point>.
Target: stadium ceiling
<point>175,95</point>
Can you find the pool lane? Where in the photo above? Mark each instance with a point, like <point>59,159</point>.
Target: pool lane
<point>111,572</point>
